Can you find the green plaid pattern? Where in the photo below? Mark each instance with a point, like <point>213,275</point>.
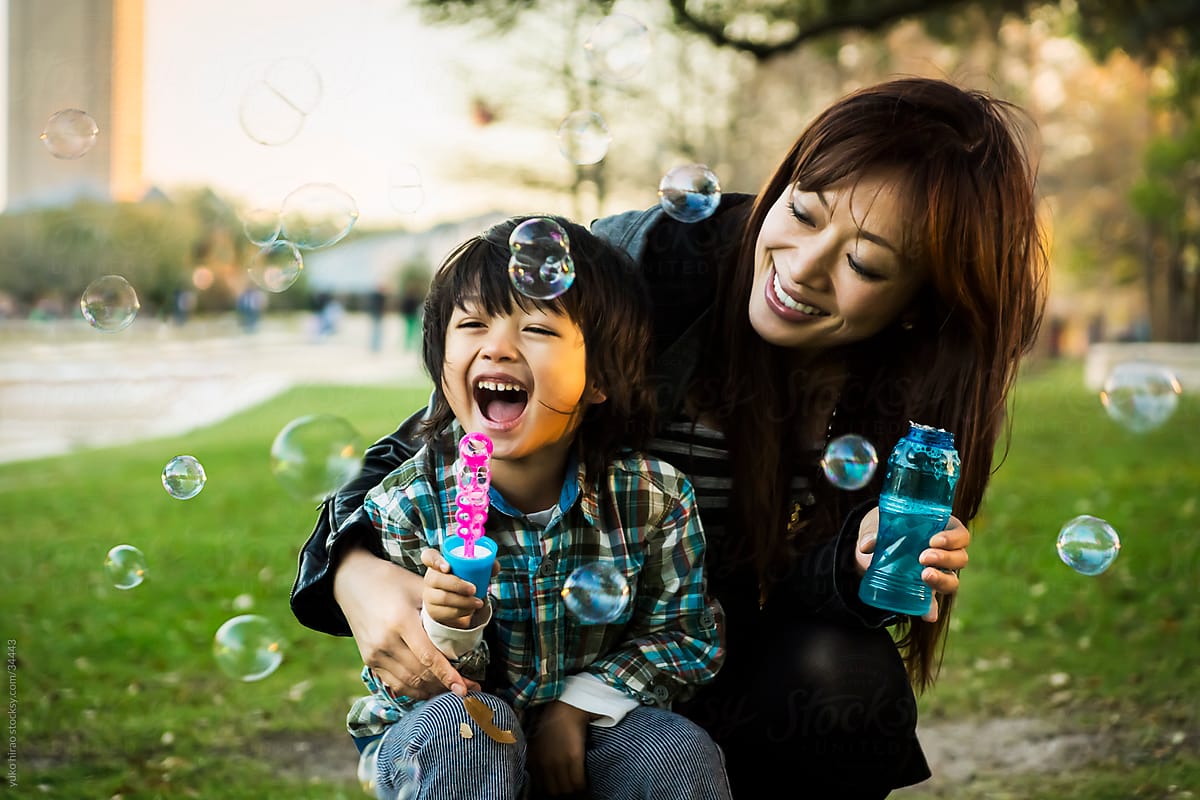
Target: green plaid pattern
<point>644,522</point>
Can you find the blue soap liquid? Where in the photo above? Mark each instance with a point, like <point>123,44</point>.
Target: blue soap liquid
<point>893,581</point>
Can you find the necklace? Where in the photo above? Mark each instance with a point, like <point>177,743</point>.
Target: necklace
<point>798,520</point>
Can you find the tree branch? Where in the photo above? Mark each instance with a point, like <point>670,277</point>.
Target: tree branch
<point>874,19</point>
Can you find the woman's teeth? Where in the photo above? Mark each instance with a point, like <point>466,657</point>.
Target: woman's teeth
<point>786,299</point>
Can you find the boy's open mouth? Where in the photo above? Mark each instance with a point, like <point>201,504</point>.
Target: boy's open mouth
<point>500,400</point>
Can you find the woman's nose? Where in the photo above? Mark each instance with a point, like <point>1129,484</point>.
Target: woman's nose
<point>806,266</point>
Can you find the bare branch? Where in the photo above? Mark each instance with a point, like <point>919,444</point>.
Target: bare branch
<point>879,16</point>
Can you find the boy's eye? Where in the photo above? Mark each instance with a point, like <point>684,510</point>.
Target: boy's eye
<point>540,329</point>
<point>470,323</point>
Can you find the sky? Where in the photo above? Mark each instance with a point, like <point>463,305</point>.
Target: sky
<point>395,106</point>
<point>394,101</point>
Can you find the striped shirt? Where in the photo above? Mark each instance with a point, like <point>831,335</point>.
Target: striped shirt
<point>643,521</point>
<point>703,454</point>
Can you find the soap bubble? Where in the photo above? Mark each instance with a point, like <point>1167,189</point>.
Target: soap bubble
<point>268,118</point>
<point>248,647</point>
<point>541,265</point>
<point>317,215</point>
<point>849,461</point>
<point>125,566</point>
<point>312,456</point>
<point>297,81</point>
<point>183,477</point>
<point>261,225</point>
<point>69,133</point>
<point>109,304</point>
<point>596,593</point>
<point>406,189</point>
<point>368,768</point>
<point>273,109</point>
<point>1140,396</point>
<point>689,193</point>
<point>583,137</point>
<point>1088,545</point>
<point>276,266</point>
<point>618,47</point>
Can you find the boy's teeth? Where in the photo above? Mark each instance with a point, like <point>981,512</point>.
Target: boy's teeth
<point>498,386</point>
<point>787,300</point>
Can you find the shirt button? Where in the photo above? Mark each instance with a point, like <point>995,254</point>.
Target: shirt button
<point>661,694</point>
<point>547,568</point>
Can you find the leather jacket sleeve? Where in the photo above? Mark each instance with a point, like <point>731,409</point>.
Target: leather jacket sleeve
<point>342,523</point>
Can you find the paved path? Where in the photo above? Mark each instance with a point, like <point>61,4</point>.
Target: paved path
<point>65,387</point>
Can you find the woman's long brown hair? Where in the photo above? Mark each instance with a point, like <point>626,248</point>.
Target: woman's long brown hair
<point>968,195</point>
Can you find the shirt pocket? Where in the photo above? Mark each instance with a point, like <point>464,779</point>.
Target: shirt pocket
<point>511,590</point>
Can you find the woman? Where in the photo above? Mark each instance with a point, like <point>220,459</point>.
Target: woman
<point>891,270</point>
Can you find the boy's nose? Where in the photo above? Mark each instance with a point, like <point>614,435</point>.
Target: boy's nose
<point>498,347</point>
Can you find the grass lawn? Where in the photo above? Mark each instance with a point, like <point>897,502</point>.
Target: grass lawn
<point>118,692</point>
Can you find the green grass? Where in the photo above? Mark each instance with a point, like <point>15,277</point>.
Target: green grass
<point>119,694</point>
<point>118,691</point>
<point>1117,653</point>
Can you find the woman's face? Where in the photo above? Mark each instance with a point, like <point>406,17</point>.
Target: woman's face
<point>827,266</point>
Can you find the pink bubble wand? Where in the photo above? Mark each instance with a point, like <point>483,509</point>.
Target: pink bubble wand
<point>474,480</point>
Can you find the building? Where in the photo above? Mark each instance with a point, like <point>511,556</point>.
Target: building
<point>81,54</point>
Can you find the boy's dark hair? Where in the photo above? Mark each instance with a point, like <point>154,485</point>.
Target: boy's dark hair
<point>608,301</point>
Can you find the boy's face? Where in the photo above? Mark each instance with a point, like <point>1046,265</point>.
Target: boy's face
<point>520,378</point>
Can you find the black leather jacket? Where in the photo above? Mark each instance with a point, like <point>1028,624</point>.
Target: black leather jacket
<point>679,263</point>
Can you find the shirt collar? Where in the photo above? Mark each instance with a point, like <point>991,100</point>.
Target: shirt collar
<point>575,488</point>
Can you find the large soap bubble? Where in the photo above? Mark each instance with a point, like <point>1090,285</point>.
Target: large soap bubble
<point>274,108</point>
<point>317,215</point>
<point>849,462</point>
<point>248,647</point>
<point>596,593</point>
<point>125,566</point>
<point>541,265</point>
<point>689,193</point>
<point>583,137</point>
<point>109,304</point>
<point>69,134</point>
<point>312,456</point>
<point>618,47</point>
<point>183,477</point>
<point>1140,395</point>
<point>1088,545</point>
<point>276,266</point>
<point>261,225</point>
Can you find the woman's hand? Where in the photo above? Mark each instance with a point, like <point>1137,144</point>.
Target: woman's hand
<point>382,603</point>
<point>556,748</point>
<point>946,555</point>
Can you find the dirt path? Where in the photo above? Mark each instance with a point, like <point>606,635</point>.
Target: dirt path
<point>968,759</point>
<point>65,387</point>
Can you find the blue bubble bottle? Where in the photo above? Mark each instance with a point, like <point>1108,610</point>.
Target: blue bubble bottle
<point>918,493</point>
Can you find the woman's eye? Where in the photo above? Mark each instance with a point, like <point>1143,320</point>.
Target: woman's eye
<point>800,215</point>
<point>858,267</point>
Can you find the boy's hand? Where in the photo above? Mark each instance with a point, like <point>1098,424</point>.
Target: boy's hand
<point>556,749</point>
<point>448,600</point>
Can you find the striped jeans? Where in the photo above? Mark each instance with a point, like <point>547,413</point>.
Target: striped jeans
<point>651,754</point>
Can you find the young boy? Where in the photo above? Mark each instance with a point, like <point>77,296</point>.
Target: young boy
<point>558,386</point>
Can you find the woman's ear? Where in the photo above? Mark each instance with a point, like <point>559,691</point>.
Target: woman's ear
<point>594,395</point>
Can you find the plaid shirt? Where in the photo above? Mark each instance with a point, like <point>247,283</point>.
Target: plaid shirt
<point>645,524</point>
